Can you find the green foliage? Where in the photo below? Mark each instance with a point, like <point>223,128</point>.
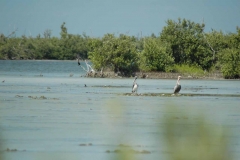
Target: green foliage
<point>66,47</point>
<point>234,39</point>
<point>230,63</point>
<point>63,31</point>
<point>117,53</point>
<point>155,56</point>
<point>181,43</point>
<point>217,40</point>
<point>97,56</point>
<point>72,45</point>
<point>187,42</point>
<point>187,69</point>
<point>46,48</point>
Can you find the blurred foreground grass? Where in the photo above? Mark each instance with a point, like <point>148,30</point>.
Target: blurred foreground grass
<point>199,141</point>
<point>186,139</point>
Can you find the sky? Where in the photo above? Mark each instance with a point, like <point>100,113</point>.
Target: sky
<point>98,17</point>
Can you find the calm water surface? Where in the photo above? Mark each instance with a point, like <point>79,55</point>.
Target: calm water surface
<point>54,116</point>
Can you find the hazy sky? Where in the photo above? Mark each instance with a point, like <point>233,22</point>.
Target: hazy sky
<point>98,17</point>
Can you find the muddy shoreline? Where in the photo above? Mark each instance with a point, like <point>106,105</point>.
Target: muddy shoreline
<point>158,75</point>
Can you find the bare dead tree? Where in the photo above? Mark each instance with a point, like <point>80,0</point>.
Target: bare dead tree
<point>47,33</point>
<point>89,70</point>
<point>208,42</point>
<point>210,47</point>
<point>12,33</point>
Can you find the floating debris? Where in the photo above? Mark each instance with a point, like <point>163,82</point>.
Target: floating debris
<point>11,150</point>
<point>32,97</point>
<point>14,150</point>
<point>42,97</point>
<point>128,151</point>
<point>54,98</point>
<point>18,96</point>
<point>85,144</point>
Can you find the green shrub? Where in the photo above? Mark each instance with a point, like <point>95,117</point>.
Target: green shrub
<point>156,56</point>
<point>187,69</point>
<point>230,63</point>
<point>116,53</point>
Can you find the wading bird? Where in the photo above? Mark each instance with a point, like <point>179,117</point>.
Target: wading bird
<point>135,85</point>
<point>177,88</point>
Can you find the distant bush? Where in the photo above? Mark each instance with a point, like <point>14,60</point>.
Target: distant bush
<point>182,46</point>
<point>229,60</point>
<point>187,69</point>
<point>156,56</point>
<point>118,53</point>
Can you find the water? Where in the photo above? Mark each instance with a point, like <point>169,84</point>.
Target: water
<point>54,116</point>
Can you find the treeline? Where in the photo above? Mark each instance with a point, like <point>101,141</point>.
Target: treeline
<point>44,47</point>
<point>181,44</point>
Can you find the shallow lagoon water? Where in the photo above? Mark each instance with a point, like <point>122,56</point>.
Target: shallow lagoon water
<point>55,117</point>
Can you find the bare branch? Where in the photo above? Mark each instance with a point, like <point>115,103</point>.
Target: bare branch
<point>83,68</point>
<point>208,42</point>
<point>210,46</point>
<point>13,32</point>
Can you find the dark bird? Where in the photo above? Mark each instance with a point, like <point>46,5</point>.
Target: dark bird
<point>85,85</point>
<point>78,57</point>
<point>3,81</point>
<point>135,85</point>
<point>177,88</point>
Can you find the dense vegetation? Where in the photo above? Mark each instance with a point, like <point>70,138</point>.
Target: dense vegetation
<point>181,44</point>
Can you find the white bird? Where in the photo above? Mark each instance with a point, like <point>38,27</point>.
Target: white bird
<point>177,88</point>
<point>135,85</point>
